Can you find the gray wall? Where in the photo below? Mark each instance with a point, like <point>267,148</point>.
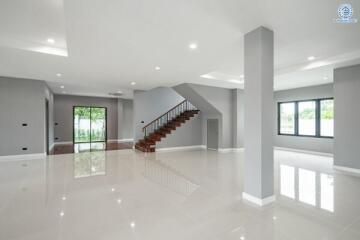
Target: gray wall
<point>125,119</point>
<point>347,117</point>
<point>22,101</point>
<point>63,115</point>
<point>151,104</point>
<point>238,122</point>
<point>222,100</point>
<point>304,143</point>
<point>215,103</point>
<point>50,97</point>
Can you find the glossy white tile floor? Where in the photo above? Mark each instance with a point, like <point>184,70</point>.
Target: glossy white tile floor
<point>175,195</point>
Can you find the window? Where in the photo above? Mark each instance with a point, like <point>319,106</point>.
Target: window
<point>312,118</point>
<point>327,118</point>
<point>287,118</point>
<point>307,122</point>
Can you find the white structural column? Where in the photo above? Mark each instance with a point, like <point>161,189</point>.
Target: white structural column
<point>258,120</point>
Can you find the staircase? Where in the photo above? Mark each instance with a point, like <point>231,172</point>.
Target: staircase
<point>163,125</point>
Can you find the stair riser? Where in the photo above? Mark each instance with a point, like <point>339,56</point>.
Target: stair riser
<point>148,144</point>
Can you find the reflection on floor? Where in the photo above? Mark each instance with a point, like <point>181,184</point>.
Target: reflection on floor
<point>302,185</point>
<point>173,195</point>
<point>89,164</point>
<point>90,147</point>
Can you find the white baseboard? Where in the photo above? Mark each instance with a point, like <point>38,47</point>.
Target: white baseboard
<point>304,151</point>
<point>182,148</point>
<point>62,143</point>
<point>126,140</point>
<point>346,169</point>
<point>23,157</point>
<point>258,201</point>
<point>225,150</point>
<point>121,140</point>
<point>109,140</point>
<point>51,146</point>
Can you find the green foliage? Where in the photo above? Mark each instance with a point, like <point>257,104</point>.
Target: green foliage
<point>327,110</point>
<point>97,115</point>
<point>307,113</point>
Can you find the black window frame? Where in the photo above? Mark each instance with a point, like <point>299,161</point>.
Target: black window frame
<point>317,118</point>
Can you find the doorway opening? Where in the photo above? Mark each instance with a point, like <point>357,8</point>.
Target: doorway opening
<point>47,125</point>
<point>90,124</point>
<point>212,134</point>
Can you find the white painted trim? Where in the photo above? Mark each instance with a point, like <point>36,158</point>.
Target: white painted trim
<point>347,169</point>
<point>258,201</point>
<point>22,157</point>
<point>225,150</point>
<point>304,151</point>
<point>183,148</point>
<point>212,149</point>
<point>52,146</point>
<point>126,140</point>
<point>121,140</point>
<point>62,143</point>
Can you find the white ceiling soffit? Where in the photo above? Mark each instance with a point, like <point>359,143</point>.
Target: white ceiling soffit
<point>115,42</point>
<point>95,90</point>
<point>33,25</point>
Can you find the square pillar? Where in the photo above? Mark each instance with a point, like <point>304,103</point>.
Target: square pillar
<point>258,119</point>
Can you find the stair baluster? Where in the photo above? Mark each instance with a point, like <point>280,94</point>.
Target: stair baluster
<point>164,124</point>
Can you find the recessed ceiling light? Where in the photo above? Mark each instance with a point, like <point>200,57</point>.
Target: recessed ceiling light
<point>242,238</point>
<point>58,74</point>
<point>119,200</point>
<point>157,68</point>
<point>193,46</point>
<point>235,81</point>
<point>311,58</point>
<point>133,83</point>
<point>274,217</point>
<point>50,40</point>
<point>207,76</point>
<point>62,213</point>
<point>326,78</point>
<point>132,224</point>
<point>62,86</point>
<point>63,198</point>
<point>113,189</point>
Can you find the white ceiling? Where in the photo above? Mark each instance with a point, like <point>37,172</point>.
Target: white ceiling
<point>102,46</point>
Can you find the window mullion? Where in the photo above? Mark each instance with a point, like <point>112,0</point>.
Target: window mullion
<point>296,119</point>
<point>317,116</point>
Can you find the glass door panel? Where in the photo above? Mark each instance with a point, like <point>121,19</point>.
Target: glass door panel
<point>98,124</point>
<point>89,124</point>
<point>82,124</point>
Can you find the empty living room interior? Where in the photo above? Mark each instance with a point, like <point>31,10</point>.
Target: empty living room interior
<point>179,120</point>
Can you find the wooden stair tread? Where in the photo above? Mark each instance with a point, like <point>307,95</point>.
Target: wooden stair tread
<point>148,144</point>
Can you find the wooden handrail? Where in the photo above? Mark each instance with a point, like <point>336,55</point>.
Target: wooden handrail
<point>168,116</point>
<point>164,114</point>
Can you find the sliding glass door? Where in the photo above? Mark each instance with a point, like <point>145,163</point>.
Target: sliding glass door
<point>89,124</point>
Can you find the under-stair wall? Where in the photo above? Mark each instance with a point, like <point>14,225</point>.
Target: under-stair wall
<point>220,103</point>
<point>149,105</point>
